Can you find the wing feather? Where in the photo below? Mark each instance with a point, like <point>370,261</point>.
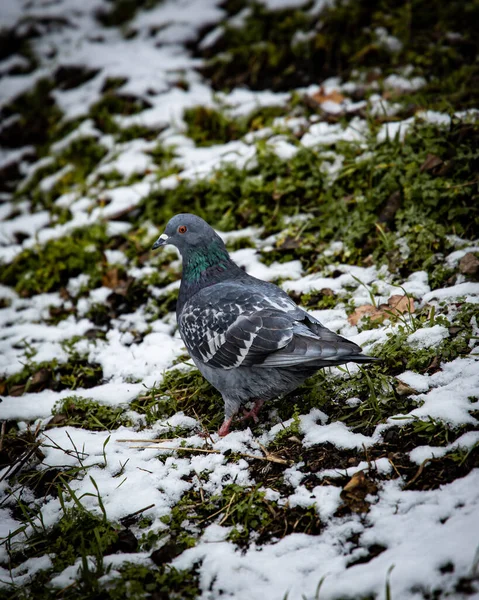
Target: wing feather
<point>229,325</point>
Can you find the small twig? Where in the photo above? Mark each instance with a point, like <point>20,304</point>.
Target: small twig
<point>460,185</point>
<point>148,396</point>
<point>394,467</point>
<point>419,471</point>
<point>368,460</point>
<point>228,509</point>
<point>182,449</point>
<point>211,516</point>
<point>272,457</point>
<point>203,428</point>
<point>268,458</point>
<point>200,489</point>
<point>4,427</point>
<point>153,441</point>
<point>137,512</point>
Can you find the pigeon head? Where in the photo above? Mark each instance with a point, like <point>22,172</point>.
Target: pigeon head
<point>204,254</point>
<point>186,231</point>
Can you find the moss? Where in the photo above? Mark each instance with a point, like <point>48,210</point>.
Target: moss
<point>378,399</point>
<point>397,355</point>
<point>139,582</point>
<point>75,411</point>
<point>133,132</point>
<point>38,116</point>
<point>322,300</point>
<point>132,580</point>
<point>258,54</point>
<point>208,126</point>
<point>122,11</point>
<point>377,207</point>
<point>181,390</point>
<point>35,377</point>
<point>233,198</point>
<point>79,532</point>
<point>245,509</point>
<point>294,429</point>
<point>81,157</point>
<point>47,268</point>
<point>115,104</point>
<point>266,52</point>
<point>239,244</point>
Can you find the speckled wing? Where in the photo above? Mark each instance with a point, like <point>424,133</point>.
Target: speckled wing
<point>230,325</point>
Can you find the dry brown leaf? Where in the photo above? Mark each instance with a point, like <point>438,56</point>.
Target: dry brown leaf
<point>430,163</point>
<point>399,304</point>
<point>334,96</point>
<point>366,310</point>
<point>469,264</point>
<point>355,491</point>
<point>110,278</point>
<point>402,389</point>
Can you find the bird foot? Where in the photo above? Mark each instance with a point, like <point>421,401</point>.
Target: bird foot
<point>253,413</point>
<point>225,428</point>
<point>249,414</point>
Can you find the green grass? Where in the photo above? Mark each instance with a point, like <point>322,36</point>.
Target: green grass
<point>433,203</point>
<point>181,390</point>
<point>47,268</point>
<point>76,411</point>
<point>77,372</point>
<point>208,126</point>
<point>264,52</point>
<point>388,207</point>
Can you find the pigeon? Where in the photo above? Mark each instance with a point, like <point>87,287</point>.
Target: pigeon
<point>247,337</point>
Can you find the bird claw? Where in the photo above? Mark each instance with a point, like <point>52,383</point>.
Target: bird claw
<point>250,414</point>
<point>253,413</point>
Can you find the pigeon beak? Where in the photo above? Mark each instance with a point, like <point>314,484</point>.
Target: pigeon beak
<point>161,241</point>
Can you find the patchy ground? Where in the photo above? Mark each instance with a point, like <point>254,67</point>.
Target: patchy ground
<point>335,146</point>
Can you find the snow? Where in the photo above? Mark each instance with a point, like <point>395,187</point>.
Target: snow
<point>416,545</point>
<point>328,134</point>
<point>421,531</point>
<point>399,82</point>
<point>428,337</point>
<point>453,258</point>
<point>469,291</point>
<point>416,381</point>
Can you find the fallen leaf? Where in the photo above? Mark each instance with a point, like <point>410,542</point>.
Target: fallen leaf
<point>355,491</point>
<point>57,420</point>
<point>469,264</point>
<point>40,377</point>
<point>430,163</point>
<point>289,243</point>
<point>399,304</point>
<point>321,97</point>
<point>110,279</point>
<point>402,389</point>
<point>391,207</point>
<point>366,310</point>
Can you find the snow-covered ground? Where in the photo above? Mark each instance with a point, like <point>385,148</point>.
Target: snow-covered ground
<point>427,537</point>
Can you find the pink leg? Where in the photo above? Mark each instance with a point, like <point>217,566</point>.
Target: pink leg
<point>225,428</point>
<point>253,413</point>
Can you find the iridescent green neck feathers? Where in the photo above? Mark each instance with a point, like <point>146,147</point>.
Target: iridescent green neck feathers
<point>201,261</point>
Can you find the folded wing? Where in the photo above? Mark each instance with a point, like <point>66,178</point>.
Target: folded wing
<point>229,326</point>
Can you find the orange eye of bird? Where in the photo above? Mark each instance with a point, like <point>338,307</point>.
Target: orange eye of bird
<point>182,229</point>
